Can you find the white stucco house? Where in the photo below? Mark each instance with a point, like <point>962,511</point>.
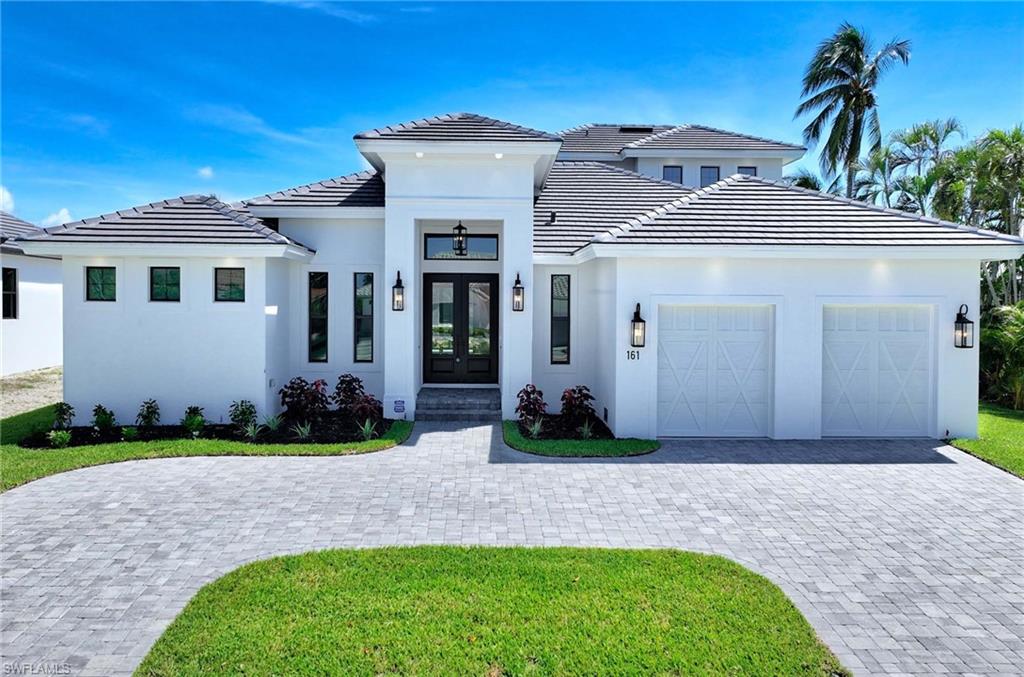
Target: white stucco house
<point>30,331</point>
<point>527,257</point>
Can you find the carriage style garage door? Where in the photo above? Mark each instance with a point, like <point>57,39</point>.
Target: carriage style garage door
<point>715,371</point>
<point>876,371</point>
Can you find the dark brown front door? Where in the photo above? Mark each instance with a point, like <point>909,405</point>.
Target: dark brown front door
<point>460,328</point>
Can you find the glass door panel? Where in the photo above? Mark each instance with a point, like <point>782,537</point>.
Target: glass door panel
<point>479,328</point>
<point>442,318</point>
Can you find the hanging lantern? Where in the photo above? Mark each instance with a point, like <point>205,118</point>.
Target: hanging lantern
<point>459,239</point>
<point>398,294</point>
<point>638,329</point>
<point>963,329</point>
<point>518,296</point>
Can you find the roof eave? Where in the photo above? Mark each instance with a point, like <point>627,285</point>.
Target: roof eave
<point>978,252</point>
<point>788,155</point>
<point>175,250</point>
<point>325,212</point>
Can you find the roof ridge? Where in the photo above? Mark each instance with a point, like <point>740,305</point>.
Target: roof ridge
<point>345,178</point>
<point>913,216</point>
<point>747,136</point>
<point>447,117</point>
<point>656,135</point>
<point>249,221</point>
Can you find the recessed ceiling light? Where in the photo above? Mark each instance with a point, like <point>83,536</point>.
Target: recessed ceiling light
<point>419,153</point>
<point>498,156</point>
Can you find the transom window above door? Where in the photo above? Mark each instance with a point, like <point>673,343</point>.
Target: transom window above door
<point>478,248</point>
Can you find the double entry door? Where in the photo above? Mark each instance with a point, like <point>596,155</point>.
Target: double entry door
<point>460,328</point>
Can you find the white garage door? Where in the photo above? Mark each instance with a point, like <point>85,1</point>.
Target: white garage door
<point>715,371</point>
<point>876,371</point>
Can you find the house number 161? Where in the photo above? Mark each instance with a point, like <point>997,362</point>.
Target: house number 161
<point>632,354</point>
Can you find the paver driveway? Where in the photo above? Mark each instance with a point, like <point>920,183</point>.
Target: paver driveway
<point>906,557</point>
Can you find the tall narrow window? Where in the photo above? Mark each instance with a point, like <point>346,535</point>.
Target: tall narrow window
<point>708,175</point>
<point>673,173</point>
<point>318,317</point>
<point>363,318</point>
<point>100,283</point>
<point>229,284</point>
<point>747,170</point>
<point>559,319</point>
<point>164,284</point>
<point>10,292</point>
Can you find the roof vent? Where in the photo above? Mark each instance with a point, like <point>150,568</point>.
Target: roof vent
<point>636,130</point>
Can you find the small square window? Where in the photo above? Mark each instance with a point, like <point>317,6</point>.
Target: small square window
<point>673,173</point>
<point>747,171</point>
<point>229,284</point>
<point>709,175</point>
<point>100,283</point>
<point>164,284</point>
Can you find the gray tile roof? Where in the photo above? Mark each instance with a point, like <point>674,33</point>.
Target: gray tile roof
<point>11,227</point>
<point>606,138</point>
<point>458,127</point>
<point>364,189</point>
<point>747,210</point>
<point>192,219</point>
<point>614,138</point>
<point>590,198</point>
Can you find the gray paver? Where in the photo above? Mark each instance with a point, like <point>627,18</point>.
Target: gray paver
<point>904,555</point>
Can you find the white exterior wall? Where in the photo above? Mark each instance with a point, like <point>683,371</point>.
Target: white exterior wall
<point>33,340</point>
<point>797,289</point>
<point>279,315</point>
<point>768,168</point>
<point>421,191</point>
<point>344,248</point>
<point>193,352</point>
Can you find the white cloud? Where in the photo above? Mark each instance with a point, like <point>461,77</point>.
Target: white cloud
<point>205,172</point>
<point>238,119</point>
<point>330,9</point>
<point>88,123</point>
<point>6,200</point>
<point>57,218</point>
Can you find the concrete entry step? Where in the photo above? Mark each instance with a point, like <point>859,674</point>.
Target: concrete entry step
<point>458,404</point>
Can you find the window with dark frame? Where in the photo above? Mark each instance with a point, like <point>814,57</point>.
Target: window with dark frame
<point>747,170</point>
<point>229,284</point>
<point>709,175</point>
<point>362,350</point>
<point>673,173</point>
<point>100,283</point>
<point>478,248</point>
<point>560,319</point>
<point>10,293</point>
<point>318,317</point>
<point>164,283</point>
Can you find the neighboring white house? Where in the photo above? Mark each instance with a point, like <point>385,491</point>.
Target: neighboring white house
<point>768,310</point>
<point>30,334</point>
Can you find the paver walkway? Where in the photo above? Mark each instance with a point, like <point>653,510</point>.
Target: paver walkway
<point>906,557</point>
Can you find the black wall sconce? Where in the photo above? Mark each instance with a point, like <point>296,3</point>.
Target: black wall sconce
<point>518,296</point>
<point>963,329</point>
<point>459,239</point>
<point>398,294</point>
<point>637,329</point>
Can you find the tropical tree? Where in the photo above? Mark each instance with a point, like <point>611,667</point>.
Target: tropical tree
<point>924,145</point>
<point>874,180</point>
<point>1002,355</point>
<point>839,84</point>
<point>1004,154</point>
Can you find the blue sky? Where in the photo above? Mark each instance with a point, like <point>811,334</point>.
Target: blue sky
<point>105,106</point>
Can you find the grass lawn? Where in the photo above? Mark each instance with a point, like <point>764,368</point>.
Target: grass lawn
<point>18,465</point>
<point>581,448</point>
<point>1000,439</point>
<point>491,611</point>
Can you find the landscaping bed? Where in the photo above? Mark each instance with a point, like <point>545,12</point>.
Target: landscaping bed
<point>593,448</point>
<point>491,611</point>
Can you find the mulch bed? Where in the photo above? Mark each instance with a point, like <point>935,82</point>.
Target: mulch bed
<point>331,429</point>
<point>557,427</point>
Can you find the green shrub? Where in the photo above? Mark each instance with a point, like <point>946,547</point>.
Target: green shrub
<point>59,438</point>
<point>272,423</point>
<point>149,414</point>
<point>368,430</point>
<point>348,392</point>
<point>194,421</point>
<point>129,433</point>
<point>242,414</point>
<point>252,431</point>
<point>103,420</point>
<point>1002,355</point>
<point>302,430</point>
<point>63,415</point>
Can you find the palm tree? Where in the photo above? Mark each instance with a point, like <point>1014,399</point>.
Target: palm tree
<point>923,145</point>
<point>1004,152</point>
<point>840,84</point>
<point>804,179</point>
<point>874,181</point>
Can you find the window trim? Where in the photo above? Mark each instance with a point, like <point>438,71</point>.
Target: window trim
<point>12,293</point>
<point>679,167</point>
<point>216,270</point>
<point>718,175</point>
<point>488,236</point>
<point>740,168</point>
<point>92,300</point>
<point>155,268</point>
<point>567,319</point>
<point>309,316</point>
<point>356,317</point>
